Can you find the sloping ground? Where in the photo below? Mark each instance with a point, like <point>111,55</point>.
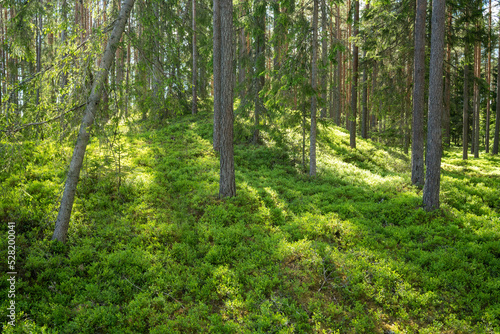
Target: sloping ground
<point>152,249</point>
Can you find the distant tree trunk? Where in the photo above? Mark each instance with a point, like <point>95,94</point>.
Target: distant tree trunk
<point>447,86</point>
<point>62,222</point>
<point>278,36</point>
<point>241,65</point>
<point>314,70</point>
<point>338,84</point>
<point>39,30</point>
<point>477,98</point>
<point>488,82</point>
<point>324,50</point>
<point>433,159</point>
<point>194,107</point>
<point>417,145</point>
<point>217,73</point>
<point>354,87</point>
<point>373,121</point>
<point>338,97</point>
<point>465,122</point>
<point>364,101</point>
<point>260,64</point>
<point>497,118</point>
<point>227,184</point>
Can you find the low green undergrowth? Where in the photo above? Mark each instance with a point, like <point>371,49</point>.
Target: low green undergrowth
<point>153,250</point>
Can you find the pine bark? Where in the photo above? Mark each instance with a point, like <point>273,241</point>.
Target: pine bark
<point>465,120</point>
<point>194,106</point>
<point>447,86</point>
<point>433,158</point>
<point>364,102</point>
<point>324,50</point>
<point>217,73</point>
<point>241,63</point>
<point>62,222</point>
<point>488,82</point>
<point>338,103</point>
<point>497,120</point>
<point>477,77</point>
<point>417,148</point>
<point>260,65</point>
<point>227,184</point>
<point>354,87</point>
<point>314,70</point>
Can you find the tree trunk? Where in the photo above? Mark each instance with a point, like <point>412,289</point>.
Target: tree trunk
<point>338,106</point>
<point>314,70</point>
<point>354,87</point>
<point>433,159</point>
<point>417,145</point>
<point>465,120</point>
<point>364,101</point>
<point>477,101</point>
<point>194,107</point>
<point>62,222</point>
<point>260,64</point>
<point>497,120</point>
<point>227,184</point>
<point>488,82</point>
<point>447,86</point>
<point>217,73</point>
<point>241,64</point>
<point>324,50</point>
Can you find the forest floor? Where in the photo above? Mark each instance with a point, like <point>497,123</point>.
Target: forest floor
<point>152,249</point>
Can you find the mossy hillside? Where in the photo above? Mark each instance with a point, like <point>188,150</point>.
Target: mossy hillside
<point>152,249</point>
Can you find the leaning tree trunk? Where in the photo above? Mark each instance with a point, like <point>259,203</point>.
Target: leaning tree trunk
<point>312,149</point>
<point>433,159</point>
<point>417,145</point>
<point>62,223</point>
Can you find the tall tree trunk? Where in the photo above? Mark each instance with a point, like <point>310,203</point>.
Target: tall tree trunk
<point>241,63</point>
<point>194,107</point>
<point>314,70</point>
<point>260,64</point>
<point>447,85</point>
<point>278,35</point>
<point>354,87</point>
<point>497,119</point>
<point>324,50</point>
<point>227,184</point>
<point>465,120</point>
<point>477,101</point>
<point>417,145</point>
<point>433,159</point>
<point>337,92</point>
<point>62,222</point>
<point>217,73</point>
<point>488,82</point>
<point>364,101</point>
